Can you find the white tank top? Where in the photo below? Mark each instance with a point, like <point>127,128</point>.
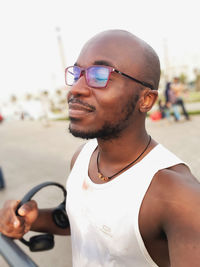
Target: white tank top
<point>104,217</point>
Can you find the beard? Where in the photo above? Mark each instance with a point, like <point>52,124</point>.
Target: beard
<point>110,130</point>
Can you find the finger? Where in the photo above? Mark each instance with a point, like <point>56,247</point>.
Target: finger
<point>16,224</point>
<point>15,220</point>
<point>14,235</point>
<point>10,229</point>
<point>27,228</point>
<point>10,219</point>
<point>27,208</point>
<point>11,204</point>
<point>30,212</point>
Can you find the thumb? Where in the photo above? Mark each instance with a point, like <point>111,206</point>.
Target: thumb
<point>29,210</point>
<point>22,211</point>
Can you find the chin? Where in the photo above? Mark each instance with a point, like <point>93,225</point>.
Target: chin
<point>80,131</point>
<point>107,132</point>
<point>81,134</point>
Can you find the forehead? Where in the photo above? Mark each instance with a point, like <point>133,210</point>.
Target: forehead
<point>119,52</point>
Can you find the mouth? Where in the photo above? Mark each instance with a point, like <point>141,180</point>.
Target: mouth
<point>77,110</point>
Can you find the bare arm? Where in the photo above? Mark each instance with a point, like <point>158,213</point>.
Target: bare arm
<point>44,223</point>
<point>182,218</point>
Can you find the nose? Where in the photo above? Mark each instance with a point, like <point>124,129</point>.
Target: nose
<point>80,87</point>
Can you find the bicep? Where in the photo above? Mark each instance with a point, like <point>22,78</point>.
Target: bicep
<point>183,227</point>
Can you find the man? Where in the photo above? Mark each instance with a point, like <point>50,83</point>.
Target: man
<point>130,201</point>
<point>177,90</point>
<point>170,100</point>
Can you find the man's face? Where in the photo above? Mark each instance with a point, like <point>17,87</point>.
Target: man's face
<point>101,112</point>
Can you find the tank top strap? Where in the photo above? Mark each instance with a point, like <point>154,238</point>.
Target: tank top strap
<point>82,162</point>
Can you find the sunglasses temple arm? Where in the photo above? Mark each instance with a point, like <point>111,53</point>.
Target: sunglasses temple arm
<point>140,82</point>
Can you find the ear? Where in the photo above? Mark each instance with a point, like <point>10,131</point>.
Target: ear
<point>147,100</point>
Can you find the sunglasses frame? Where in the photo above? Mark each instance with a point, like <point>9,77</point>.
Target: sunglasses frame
<point>111,69</point>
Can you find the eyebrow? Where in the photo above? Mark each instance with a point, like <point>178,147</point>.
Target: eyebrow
<point>98,62</point>
<point>103,62</point>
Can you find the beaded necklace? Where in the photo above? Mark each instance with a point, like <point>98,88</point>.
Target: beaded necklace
<point>107,178</point>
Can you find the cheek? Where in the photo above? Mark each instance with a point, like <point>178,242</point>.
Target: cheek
<point>113,110</point>
<point>110,107</point>
<point>113,100</point>
<point>110,98</point>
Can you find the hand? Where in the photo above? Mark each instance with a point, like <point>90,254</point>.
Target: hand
<point>16,226</point>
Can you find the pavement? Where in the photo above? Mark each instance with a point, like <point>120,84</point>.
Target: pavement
<point>31,153</point>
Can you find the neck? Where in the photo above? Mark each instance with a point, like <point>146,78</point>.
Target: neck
<point>107,178</point>
<point>115,156</point>
<point>124,148</point>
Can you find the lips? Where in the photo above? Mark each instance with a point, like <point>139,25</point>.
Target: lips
<point>79,110</point>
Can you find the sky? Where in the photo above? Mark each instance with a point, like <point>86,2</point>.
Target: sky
<point>30,53</point>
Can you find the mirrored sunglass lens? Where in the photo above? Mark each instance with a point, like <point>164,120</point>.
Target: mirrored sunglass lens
<point>97,76</point>
<point>72,75</point>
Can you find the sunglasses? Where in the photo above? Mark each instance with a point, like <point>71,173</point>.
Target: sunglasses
<point>97,76</point>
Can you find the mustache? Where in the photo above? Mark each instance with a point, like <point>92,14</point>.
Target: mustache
<point>78,101</point>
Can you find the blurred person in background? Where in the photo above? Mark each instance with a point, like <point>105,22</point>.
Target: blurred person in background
<point>177,89</point>
<point>170,103</point>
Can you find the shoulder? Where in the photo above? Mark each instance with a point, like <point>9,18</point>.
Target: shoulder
<point>87,148</point>
<point>172,206</point>
<point>74,157</point>
<point>178,192</point>
<point>176,188</point>
<point>173,198</point>
<point>178,179</point>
